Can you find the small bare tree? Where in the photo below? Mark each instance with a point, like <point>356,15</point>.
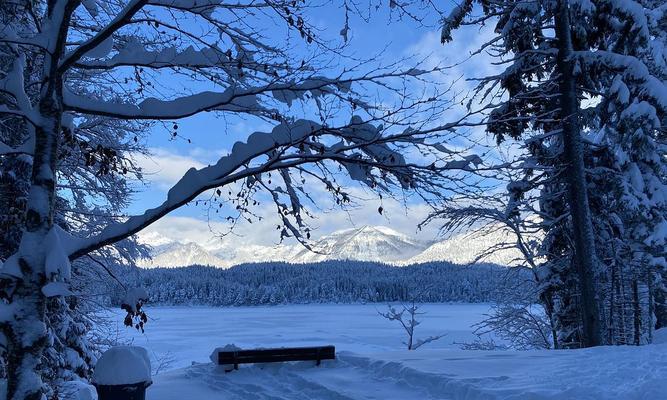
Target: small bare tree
<point>409,323</point>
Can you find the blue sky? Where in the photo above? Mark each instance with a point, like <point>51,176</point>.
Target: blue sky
<point>384,39</point>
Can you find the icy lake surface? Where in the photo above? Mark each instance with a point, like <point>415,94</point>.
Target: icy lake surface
<point>371,362</point>
<point>187,334</point>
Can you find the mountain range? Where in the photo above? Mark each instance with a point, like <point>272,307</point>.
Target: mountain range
<point>366,243</point>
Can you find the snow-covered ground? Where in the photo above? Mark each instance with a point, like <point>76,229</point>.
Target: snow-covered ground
<point>371,362</point>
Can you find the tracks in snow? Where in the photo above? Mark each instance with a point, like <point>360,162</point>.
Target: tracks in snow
<point>350,377</point>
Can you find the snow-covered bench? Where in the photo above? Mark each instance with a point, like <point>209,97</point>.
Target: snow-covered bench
<point>236,357</point>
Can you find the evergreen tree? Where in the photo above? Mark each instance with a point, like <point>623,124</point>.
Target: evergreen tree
<point>584,91</point>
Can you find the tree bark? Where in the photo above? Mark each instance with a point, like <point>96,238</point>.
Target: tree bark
<point>637,313</point>
<point>585,258</point>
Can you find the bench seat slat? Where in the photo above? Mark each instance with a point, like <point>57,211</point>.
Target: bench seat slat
<point>286,350</point>
<point>277,355</point>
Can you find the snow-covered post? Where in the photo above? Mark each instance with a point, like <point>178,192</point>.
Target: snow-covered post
<point>123,373</point>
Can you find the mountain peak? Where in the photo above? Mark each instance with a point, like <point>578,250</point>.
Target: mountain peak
<point>363,243</point>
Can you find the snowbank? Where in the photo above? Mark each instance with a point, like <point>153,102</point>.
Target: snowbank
<point>604,373</point>
<point>660,336</point>
<point>123,365</point>
<point>228,347</point>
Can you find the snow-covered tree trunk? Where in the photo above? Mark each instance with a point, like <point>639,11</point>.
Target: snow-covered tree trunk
<point>27,335</point>
<point>573,154</point>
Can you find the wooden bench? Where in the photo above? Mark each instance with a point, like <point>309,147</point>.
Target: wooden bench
<point>237,357</point>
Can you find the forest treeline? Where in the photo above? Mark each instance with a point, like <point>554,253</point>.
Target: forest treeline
<point>324,282</point>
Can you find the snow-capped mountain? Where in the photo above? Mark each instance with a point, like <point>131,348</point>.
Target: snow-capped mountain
<point>468,247</point>
<point>367,243</point>
<point>176,254</point>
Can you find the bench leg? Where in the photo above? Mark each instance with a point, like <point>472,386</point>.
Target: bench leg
<point>236,367</point>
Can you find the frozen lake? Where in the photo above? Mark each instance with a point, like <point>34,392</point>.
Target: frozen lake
<point>188,334</point>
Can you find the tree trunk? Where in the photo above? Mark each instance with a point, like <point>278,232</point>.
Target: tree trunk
<point>612,304</point>
<point>651,308</point>
<point>26,342</point>
<point>660,300</point>
<point>637,313</point>
<point>28,335</point>
<point>548,304</point>
<point>584,242</point>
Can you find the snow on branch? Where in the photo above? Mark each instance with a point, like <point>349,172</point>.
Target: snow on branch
<point>104,34</point>
<point>169,57</point>
<point>13,86</point>
<point>231,99</point>
<point>151,108</point>
<point>633,70</point>
<point>368,155</point>
<point>228,169</point>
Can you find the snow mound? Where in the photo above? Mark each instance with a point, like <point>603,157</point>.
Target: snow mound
<point>77,390</point>
<point>123,365</point>
<point>228,347</point>
<point>660,336</point>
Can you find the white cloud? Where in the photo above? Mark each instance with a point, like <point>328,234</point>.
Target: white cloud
<point>164,168</point>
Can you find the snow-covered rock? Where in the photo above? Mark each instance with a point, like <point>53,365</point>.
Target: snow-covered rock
<point>123,365</point>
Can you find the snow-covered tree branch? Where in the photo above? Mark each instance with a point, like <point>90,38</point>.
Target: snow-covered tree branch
<point>79,79</point>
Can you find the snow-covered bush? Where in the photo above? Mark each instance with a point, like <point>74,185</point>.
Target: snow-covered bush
<point>78,390</point>
<point>523,326</point>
